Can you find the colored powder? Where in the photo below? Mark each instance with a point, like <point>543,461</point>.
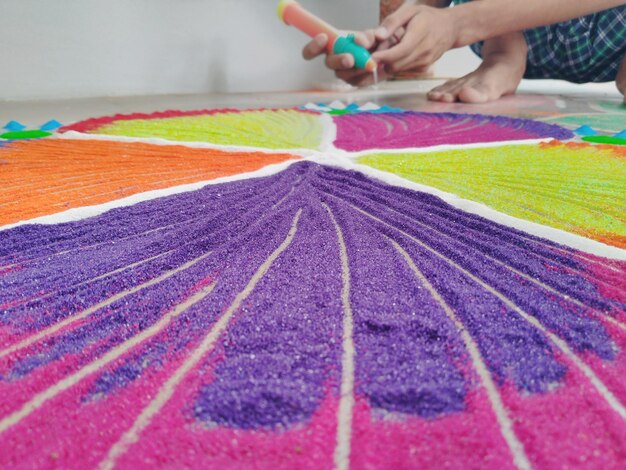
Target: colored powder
<point>53,175</point>
<point>339,112</point>
<point>605,139</point>
<point>23,135</point>
<point>585,131</point>
<point>573,187</point>
<point>274,129</point>
<point>266,391</point>
<point>365,131</point>
<point>606,122</point>
<point>612,106</point>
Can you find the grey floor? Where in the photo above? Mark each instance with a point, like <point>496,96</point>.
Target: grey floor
<point>534,98</point>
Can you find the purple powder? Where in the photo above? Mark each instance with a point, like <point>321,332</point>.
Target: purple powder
<point>282,351</point>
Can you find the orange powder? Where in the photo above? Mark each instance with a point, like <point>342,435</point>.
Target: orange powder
<point>47,176</point>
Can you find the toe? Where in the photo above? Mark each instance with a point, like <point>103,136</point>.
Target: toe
<point>476,93</point>
<point>446,92</point>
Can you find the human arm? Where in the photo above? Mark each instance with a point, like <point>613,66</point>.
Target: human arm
<point>431,31</point>
<point>343,64</point>
<point>477,21</point>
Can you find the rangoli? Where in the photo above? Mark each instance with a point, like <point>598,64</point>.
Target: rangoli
<point>312,288</point>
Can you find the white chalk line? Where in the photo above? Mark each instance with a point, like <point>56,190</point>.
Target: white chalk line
<point>600,387</point>
<point>555,235</point>
<point>346,400</point>
<point>52,329</point>
<point>38,400</point>
<point>97,278</point>
<point>169,387</point>
<point>531,279</point>
<point>506,426</point>
<point>80,213</point>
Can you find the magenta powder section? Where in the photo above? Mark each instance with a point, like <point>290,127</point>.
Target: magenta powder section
<point>266,392</point>
<point>366,131</point>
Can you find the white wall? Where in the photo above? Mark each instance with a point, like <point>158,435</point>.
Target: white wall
<point>76,48</point>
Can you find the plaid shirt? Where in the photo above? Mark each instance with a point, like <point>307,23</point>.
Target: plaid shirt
<point>586,49</point>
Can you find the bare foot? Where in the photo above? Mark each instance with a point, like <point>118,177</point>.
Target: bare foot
<point>497,76</point>
<point>503,66</point>
<point>620,80</point>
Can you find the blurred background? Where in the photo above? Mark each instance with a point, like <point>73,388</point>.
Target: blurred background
<point>88,48</point>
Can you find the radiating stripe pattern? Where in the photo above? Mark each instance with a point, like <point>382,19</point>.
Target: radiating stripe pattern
<point>410,129</point>
<point>575,187</point>
<point>268,128</point>
<point>470,337</point>
<point>291,128</point>
<point>43,177</point>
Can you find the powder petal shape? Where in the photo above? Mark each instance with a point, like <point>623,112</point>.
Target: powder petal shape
<point>527,181</point>
<point>270,384</point>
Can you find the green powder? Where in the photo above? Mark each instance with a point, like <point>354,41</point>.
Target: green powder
<point>606,123</point>
<point>605,139</point>
<point>281,129</point>
<point>575,188</point>
<point>21,135</point>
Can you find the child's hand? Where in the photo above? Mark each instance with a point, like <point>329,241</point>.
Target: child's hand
<point>427,33</point>
<point>343,64</point>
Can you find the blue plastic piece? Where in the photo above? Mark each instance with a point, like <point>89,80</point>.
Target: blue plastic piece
<point>352,107</point>
<point>14,126</point>
<point>346,45</point>
<point>51,125</point>
<point>386,109</point>
<point>585,131</point>
<point>621,135</point>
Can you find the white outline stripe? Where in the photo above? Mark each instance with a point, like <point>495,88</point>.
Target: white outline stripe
<point>346,401</point>
<point>529,278</point>
<point>52,329</point>
<point>38,400</point>
<point>85,212</point>
<point>600,387</point>
<point>506,426</point>
<point>169,387</point>
<point>468,206</point>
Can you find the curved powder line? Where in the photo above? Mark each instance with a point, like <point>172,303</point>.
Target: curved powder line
<point>75,135</point>
<point>468,206</point>
<point>346,401</point>
<point>506,426</point>
<point>85,212</point>
<point>97,278</point>
<point>179,225</point>
<point>52,329</point>
<point>38,400</point>
<point>293,188</point>
<point>597,313</point>
<point>169,387</point>
<point>521,235</point>
<point>600,387</point>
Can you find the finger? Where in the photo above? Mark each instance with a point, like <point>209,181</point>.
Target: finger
<point>339,61</point>
<point>405,48</point>
<point>367,39</point>
<point>413,60</point>
<point>353,76</point>
<point>359,77</point>
<point>392,41</point>
<point>315,47</point>
<point>417,60</point>
<point>394,21</point>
